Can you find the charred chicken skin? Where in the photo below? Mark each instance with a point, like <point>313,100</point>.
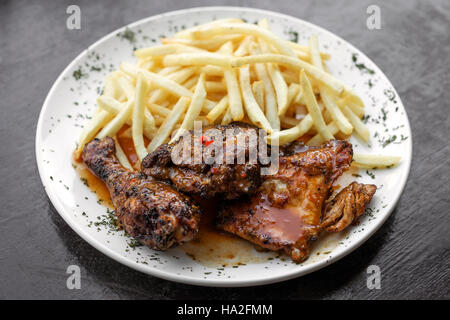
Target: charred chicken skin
<point>228,177</point>
<point>151,211</point>
<point>287,212</point>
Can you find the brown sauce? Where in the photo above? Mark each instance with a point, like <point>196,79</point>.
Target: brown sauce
<point>94,184</point>
<point>283,223</point>
<point>215,248</point>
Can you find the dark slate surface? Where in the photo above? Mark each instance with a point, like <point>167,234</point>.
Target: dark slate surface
<point>412,248</point>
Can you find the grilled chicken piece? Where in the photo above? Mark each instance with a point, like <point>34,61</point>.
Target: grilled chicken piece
<point>347,206</point>
<point>150,211</point>
<point>208,178</point>
<point>286,213</point>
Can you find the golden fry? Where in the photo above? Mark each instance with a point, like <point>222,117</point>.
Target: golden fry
<point>313,107</point>
<point>195,107</point>
<point>166,127</point>
<point>336,113</point>
<point>137,126</point>
<point>218,109</point>
<point>251,106</point>
<point>372,161</point>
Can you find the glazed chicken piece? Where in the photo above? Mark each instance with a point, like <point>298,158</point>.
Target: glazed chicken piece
<point>287,212</point>
<point>151,211</point>
<point>210,166</point>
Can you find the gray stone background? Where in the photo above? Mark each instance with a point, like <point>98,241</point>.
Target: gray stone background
<point>412,248</point>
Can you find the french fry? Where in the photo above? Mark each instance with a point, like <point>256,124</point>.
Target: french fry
<point>215,86</point>
<point>159,80</point>
<point>208,105</point>
<point>346,102</point>
<point>232,85</point>
<point>198,59</point>
<point>313,107</point>
<point>270,108</point>
<point>336,113</point>
<point>191,83</point>
<point>101,117</point>
<point>127,87</point>
<point>293,91</point>
<point>159,110</point>
<point>111,129</point>
<point>179,76</point>
<point>342,122</point>
<point>290,76</point>
<point>291,134</point>
<point>318,138</point>
<point>278,82</point>
<point>302,55</point>
<point>162,82</point>
<point>352,97</point>
<point>227,118</point>
<point>110,104</point>
<point>168,71</point>
<point>288,122</point>
<point>372,161</point>
<point>166,127</point>
<point>280,86</point>
<point>98,121</point>
<point>218,109</point>
<point>251,106</point>
<point>320,75</point>
<point>121,156</point>
<point>302,50</point>
<point>359,126</point>
<point>258,92</point>
<point>137,126</point>
<point>195,107</point>
<point>234,94</point>
<point>226,48</point>
<point>243,28</point>
<point>212,71</point>
<point>110,88</point>
<point>163,50</point>
<point>206,44</point>
<point>243,48</point>
<point>114,107</point>
<point>147,63</point>
<point>188,32</point>
<point>129,90</point>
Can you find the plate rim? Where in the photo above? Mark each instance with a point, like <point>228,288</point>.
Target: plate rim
<point>198,281</point>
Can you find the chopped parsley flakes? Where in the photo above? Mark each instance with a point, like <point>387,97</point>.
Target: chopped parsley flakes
<point>361,66</point>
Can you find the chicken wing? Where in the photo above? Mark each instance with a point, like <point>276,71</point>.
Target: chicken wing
<point>286,213</point>
<point>151,211</point>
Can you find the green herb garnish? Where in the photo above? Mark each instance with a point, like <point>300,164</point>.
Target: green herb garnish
<point>361,66</point>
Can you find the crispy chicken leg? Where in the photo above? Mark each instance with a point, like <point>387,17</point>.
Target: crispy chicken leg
<point>286,213</point>
<point>151,211</point>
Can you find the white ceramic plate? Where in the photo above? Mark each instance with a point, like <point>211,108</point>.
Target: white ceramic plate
<point>70,102</point>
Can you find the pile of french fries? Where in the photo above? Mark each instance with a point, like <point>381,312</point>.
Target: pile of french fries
<point>225,71</point>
